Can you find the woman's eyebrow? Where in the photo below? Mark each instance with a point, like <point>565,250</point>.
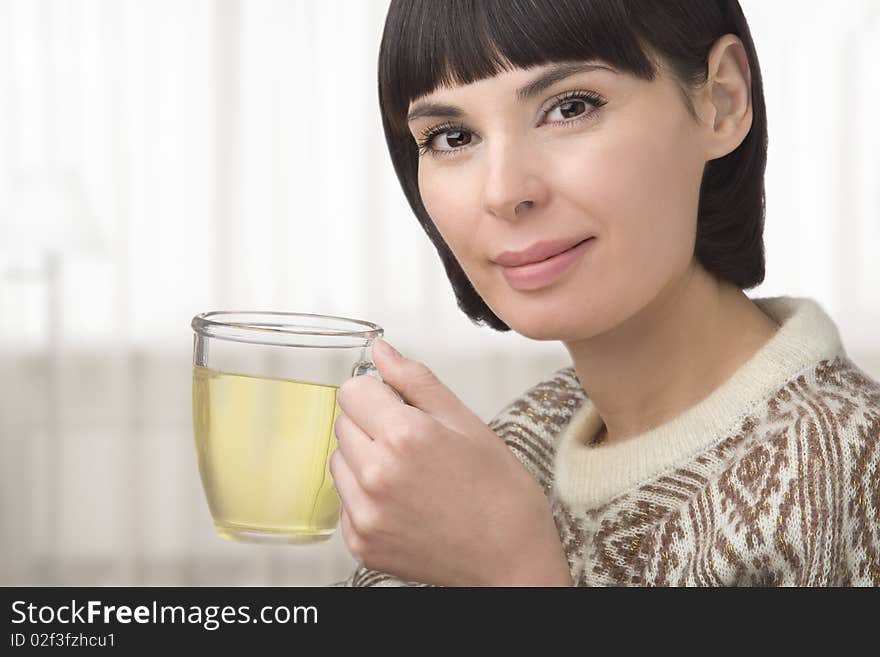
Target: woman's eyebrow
<point>548,78</point>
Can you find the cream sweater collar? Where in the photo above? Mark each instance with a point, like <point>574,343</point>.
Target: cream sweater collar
<point>588,476</point>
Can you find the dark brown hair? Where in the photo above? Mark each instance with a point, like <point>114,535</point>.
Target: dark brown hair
<point>431,43</point>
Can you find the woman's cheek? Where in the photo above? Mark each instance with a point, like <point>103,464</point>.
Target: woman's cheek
<point>437,203</point>
<point>651,187</point>
<point>449,204</point>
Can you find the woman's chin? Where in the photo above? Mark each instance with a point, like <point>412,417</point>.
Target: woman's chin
<point>551,326</point>
<point>540,329</point>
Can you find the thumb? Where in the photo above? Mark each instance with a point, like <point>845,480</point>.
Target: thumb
<point>421,388</point>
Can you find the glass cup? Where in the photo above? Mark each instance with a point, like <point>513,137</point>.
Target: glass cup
<point>264,406</point>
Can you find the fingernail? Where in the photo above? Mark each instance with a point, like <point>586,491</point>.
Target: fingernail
<point>391,351</point>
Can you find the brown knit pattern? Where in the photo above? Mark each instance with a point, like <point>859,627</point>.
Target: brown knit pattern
<point>789,498</point>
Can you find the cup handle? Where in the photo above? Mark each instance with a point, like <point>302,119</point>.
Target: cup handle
<point>367,367</point>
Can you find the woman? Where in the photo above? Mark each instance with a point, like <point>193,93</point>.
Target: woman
<point>700,437</point>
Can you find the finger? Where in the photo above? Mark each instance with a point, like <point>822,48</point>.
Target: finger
<point>423,389</point>
<point>349,536</point>
<point>356,446</point>
<point>350,492</point>
<point>374,408</point>
<point>379,391</point>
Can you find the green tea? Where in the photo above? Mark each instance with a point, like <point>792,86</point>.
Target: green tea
<point>263,449</point>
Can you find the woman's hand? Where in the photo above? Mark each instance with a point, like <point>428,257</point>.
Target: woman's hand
<point>430,493</point>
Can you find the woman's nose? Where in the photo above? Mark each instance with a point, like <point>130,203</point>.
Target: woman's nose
<point>512,183</point>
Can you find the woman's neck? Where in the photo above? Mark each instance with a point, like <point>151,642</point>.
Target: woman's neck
<point>670,355</point>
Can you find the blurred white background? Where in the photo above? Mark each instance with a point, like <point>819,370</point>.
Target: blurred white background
<point>159,158</point>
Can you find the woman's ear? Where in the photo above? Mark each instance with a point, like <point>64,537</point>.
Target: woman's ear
<point>727,97</point>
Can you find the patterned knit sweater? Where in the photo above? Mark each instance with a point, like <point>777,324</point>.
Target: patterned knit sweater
<point>771,480</point>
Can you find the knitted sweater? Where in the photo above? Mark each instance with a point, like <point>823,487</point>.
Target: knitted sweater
<point>771,480</point>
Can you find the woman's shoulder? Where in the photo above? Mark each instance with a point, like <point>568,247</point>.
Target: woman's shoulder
<point>835,399</point>
<point>841,376</point>
<point>545,404</point>
<point>531,423</point>
<point>823,423</point>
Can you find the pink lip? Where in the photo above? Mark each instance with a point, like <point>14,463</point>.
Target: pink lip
<point>536,252</point>
<point>539,274</point>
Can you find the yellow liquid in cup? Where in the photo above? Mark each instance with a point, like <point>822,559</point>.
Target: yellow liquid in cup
<point>263,448</point>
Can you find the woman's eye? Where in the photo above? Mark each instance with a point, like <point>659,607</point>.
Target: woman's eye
<point>569,109</point>
<point>451,139</point>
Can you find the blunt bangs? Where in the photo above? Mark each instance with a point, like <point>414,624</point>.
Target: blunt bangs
<point>446,44</point>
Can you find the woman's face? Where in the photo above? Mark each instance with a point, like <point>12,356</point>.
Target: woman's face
<point>625,170</point>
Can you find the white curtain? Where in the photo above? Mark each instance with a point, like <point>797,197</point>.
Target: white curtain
<point>229,154</point>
